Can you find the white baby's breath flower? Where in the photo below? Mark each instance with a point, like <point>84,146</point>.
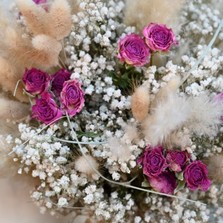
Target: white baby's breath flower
<point>62,202</point>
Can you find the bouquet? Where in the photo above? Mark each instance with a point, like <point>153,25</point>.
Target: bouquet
<point>116,108</point>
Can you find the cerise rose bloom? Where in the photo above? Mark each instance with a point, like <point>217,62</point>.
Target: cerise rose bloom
<point>58,79</point>
<point>165,183</point>
<point>158,37</point>
<point>177,159</point>
<point>72,97</point>
<point>133,50</point>
<point>153,161</point>
<point>46,109</point>
<point>196,176</point>
<point>35,81</point>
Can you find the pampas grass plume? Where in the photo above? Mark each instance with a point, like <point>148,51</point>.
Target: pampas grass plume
<point>47,50</point>
<point>142,12</point>
<point>167,116</point>
<point>46,43</point>
<point>140,103</point>
<point>83,164</point>
<point>35,16</point>
<point>59,19</point>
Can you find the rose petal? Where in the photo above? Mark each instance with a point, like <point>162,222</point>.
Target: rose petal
<point>164,183</point>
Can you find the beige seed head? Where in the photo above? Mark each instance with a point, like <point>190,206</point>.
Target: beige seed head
<point>140,103</point>
<point>85,163</point>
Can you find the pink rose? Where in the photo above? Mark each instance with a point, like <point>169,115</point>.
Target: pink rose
<point>196,176</point>
<point>158,37</point>
<point>133,50</point>
<point>58,79</point>
<point>46,109</point>
<point>153,161</point>
<point>35,81</point>
<point>165,183</point>
<point>177,160</point>
<point>72,97</point>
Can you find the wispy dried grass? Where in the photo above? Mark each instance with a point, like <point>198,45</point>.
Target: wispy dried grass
<point>205,115</point>
<point>171,87</point>
<point>168,115</point>
<point>178,139</point>
<point>140,13</point>
<point>168,112</point>
<point>132,133</point>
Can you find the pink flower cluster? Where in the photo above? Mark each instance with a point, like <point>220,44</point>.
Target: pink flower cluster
<point>136,50</point>
<point>55,95</point>
<point>162,167</point>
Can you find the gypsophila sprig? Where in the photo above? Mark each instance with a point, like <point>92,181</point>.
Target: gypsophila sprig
<point>129,125</point>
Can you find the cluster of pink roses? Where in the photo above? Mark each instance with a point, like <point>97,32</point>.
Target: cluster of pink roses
<point>161,169</point>
<point>135,50</point>
<point>51,91</point>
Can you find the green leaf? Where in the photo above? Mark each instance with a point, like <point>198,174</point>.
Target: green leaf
<point>180,176</point>
<point>145,183</point>
<point>126,78</point>
<point>180,186</point>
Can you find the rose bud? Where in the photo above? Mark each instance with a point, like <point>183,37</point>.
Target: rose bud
<point>133,50</point>
<point>46,109</point>
<point>43,3</point>
<point>158,37</point>
<point>58,79</point>
<point>40,1</point>
<point>35,81</point>
<point>196,176</point>
<point>153,161</point>
<point>165,183</point>
<point>72,97</point>
<point>177,160</point>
